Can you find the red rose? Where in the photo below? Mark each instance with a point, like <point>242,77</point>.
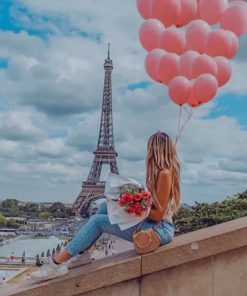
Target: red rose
<point>123,195</point>
<point>137,205</point>
<point>127,198</point>
<point>144,209</point>
<point>131,210</point>
<point>121,202</point>
<point>137,196</point>
<point>145,194</point>
<point>138,212</point>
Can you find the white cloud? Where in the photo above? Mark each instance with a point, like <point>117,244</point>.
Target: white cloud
<point>56,85</point>
<point>18,126</point>
<point>21,44</point>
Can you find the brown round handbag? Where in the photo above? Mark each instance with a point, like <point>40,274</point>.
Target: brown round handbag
<point>146,241</point>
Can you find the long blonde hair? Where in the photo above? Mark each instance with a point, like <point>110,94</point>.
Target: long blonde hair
<point>161,154</point>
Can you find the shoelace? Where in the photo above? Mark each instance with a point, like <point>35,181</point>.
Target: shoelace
<point>45,261</point>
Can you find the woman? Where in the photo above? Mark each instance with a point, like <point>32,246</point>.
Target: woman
<point>162,180</point>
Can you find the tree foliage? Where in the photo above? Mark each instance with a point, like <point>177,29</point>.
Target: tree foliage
<point>58,249</point>
<point>12,208</point>
<point>203,215</point>
<point>48,253</point>
<point>7,223</point>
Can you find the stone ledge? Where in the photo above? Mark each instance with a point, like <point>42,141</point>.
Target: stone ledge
<point>129,266</point>
<point>210,241</point>
<point>104,272</point>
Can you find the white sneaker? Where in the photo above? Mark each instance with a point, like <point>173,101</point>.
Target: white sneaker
<point>49,270</point>
<point>79,259</point>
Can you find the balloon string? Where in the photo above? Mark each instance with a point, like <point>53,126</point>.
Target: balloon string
<point>180,115</point>
<point>184,125</point>
<point>186,109</point>
<point>186,122</point>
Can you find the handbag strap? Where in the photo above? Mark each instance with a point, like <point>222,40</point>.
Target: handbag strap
<point>146,219</point>
<point>140,225</point>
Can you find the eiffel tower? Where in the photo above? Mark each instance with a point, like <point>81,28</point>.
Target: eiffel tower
<point>105,152</point>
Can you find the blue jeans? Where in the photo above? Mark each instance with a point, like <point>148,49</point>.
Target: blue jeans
<point>99,223</point>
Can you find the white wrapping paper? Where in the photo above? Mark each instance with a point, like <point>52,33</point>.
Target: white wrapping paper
<point>117,214</point>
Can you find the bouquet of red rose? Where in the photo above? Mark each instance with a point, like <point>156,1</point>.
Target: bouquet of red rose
<point>128,202</point>
<point>134,200</point>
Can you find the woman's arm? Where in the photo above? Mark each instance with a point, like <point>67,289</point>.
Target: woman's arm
<point>164,184</point>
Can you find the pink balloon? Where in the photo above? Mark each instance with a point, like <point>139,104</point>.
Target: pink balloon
<point>192,101</point>
<point>144,8</point>
<point>235,19</point>
<point>151,62</point>
<point>218,43</point>
<point>234,44</point>
<point>167,67</point>
<point>179,90</point>
<point>185,63</point>
<point>205,88</point>
<point>166,11</point>
<point>196,34</point>
<point>224,70</point>
<point>188,12</point>
<point>149,33</point>
<point>172,40</point>
<point>197,16</point>
<point>212,10</point>
<point>203,64</point>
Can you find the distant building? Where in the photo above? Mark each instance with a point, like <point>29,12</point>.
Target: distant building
<point>7,232</point>
<point>41,205</point>
<point>17,219</point>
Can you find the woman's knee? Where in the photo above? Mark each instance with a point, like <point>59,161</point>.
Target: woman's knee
<point>102,208</point>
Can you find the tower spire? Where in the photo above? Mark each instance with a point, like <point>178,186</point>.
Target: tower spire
<point>109,50</point>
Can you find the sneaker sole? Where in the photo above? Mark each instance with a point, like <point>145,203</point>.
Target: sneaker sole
<point>41,279</point>
<point>79,264</point>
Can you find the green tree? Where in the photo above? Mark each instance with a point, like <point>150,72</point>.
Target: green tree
<point>58,248</point>
<point>204,215</point>
<point>10,208</point>
<point>38,262</point>
<point>3,221</point>
<point>242,195</point>
<point>57,206</point>
<point>48,253</point>
<point>12,224</point>
<point>8,203</point>
<point>59,210</point>
<point>45,215</point>
<point>32,207</point>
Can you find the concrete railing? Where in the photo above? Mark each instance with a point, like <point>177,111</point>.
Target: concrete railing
<point>207,262</point>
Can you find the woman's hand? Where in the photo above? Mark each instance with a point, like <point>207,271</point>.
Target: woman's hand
<point>163,192</point>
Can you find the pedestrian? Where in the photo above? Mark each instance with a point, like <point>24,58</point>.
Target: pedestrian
<point>12,257</point>
<point>3,282</point>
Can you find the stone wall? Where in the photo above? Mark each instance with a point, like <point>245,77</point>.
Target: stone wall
<point>207,262</point>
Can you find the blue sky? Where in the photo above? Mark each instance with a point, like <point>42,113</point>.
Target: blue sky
<point>8,23</point>
<point>231,105</point>
<point>51,77</point>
